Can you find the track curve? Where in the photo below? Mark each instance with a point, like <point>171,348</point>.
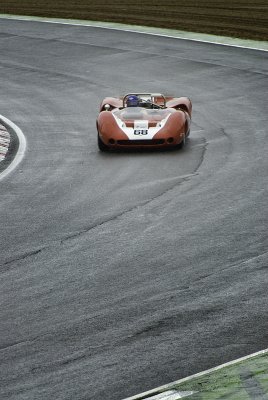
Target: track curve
<point>121,272</point>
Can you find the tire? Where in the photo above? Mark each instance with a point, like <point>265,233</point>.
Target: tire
<point>181,144</point>
<point>101,145</point>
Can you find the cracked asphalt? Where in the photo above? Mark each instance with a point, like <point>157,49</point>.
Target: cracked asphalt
<point>125,271</point>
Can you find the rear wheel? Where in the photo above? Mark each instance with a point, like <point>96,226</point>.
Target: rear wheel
<point>101,145</point>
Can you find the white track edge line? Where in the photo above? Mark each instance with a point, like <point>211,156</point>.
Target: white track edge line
<point>21,150</point>
<point>199,374</point>
<point>82,23</point>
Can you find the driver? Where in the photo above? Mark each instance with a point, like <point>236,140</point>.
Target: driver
<point>132,101</point>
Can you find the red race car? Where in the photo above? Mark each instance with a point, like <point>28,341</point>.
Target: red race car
<point>143,120</point>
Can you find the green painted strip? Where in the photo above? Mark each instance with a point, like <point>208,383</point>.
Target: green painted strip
<point>247,380</point>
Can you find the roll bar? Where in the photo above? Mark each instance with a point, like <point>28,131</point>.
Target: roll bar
<point>153,97</point>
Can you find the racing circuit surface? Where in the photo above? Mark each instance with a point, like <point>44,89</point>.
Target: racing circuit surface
<point>125,271</point>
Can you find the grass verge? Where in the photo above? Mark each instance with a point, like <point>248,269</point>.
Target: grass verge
<point>246,380</point>
<point>235,18</point>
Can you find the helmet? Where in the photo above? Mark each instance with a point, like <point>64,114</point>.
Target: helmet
<point>132,101</point>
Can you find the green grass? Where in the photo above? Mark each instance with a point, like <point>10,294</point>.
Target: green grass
<point>230,382</point>
<point>236,18</point>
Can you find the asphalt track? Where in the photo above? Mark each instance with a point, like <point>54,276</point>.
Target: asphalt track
<point>122,272</point>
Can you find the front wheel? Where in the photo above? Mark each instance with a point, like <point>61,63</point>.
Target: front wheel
<point>181,144</point>
<point>101,145</point>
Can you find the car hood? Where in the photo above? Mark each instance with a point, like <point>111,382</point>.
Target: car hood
<point>131,114</point>
<point>140,123</point>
